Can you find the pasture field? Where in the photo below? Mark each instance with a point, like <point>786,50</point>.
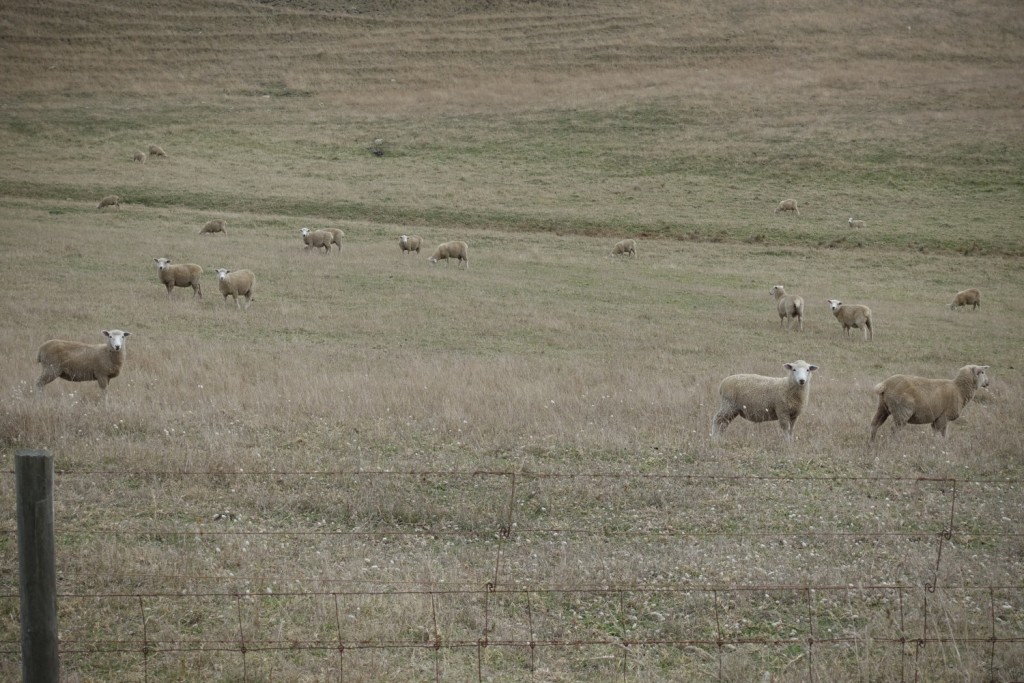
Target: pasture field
<point>391,470</point>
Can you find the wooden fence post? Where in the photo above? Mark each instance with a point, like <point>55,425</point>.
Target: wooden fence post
<point>33,474</point>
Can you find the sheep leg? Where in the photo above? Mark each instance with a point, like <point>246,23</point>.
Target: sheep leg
<point>787,426</point>
<point>801,319</point>
<point>169,288</point>
<point>869,334</point>
<point>881,415</point>
<point>197,289</point>
<point>722,419</point>
<point>48,376</point>
<point>940,426</point>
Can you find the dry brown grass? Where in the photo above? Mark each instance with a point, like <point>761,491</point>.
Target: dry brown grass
<point>384,431</point>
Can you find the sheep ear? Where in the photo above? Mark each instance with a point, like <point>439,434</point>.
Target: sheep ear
<point>106,333</point>
<point>127,334</point>
<point>788,366</point>
<point>812,368</point>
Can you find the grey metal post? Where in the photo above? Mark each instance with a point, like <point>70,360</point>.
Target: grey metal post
<point>33,474</point>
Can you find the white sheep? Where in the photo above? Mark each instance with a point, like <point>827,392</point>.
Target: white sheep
<point>157,151</point>
<point>216,225</point>
<point>851,316</point>
<point>410,243</point>
<point>787,205</point>
<point>236,283</point>
<point>969,297</point>
<point>110,200</point>
<point>920,400</point>
<point>139,156</point>
<point>336,235</point>
<point>765,399</point>
<point>451,250</point>
<point>790,307</point>
<point>856,224</point>
<point>317,239</point>
<point>627,247</point>
<point>79,362</point>
<point>179,275</point>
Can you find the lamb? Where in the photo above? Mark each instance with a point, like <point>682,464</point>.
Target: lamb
<point>157,151</point>
<point>852,315</point>
<point>236,283</point>
<point>765,399</point>
<point>79,362</point>
<point>139,156</point>
<point>969,297</point>
<point>919,400</point>
<point>789,307</point>
<point>856,224</point>
<point>317,238</point>
<point>627,247</point>
<point>213,226</point>
<point>409,243</point>
<point>110,200</point>
<point>787,205</point>
<point>451,250</point>
<point>336,235</point>
<point>179,275</point>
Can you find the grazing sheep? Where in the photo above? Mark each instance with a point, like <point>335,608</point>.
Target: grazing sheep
<point>451,250</point>
<point>236,283</point>
<point>216,225</point>
<point>787,205</point>
<point>852,315</point>
<point>317,238</point>
<point>627,247</point>
<point>920,400</point>
<point>765,399</point>
<point>139,156</point>
<point>969,297</point>
<point>78,362</point>
<point>179,275</point>
<point>409,243</point>
<point>856,224</point>
<point>110,200</point>
<point>157,151</point>
<point>336,235</point>
<point>789,307</point>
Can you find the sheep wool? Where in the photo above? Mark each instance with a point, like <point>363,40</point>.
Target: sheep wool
<point>451,250</point>
<point>789,306</point>
<point>157,151</point>
<point>765,399</point>
<point>856,224</point>
<point>921,400</point>
<point>788,205</point>
<point>110,200</point>
<point>78,362</point>
<point>627,247</point>
<point>409,244</point>
<point>216,225</point>
<point>852,316</point>
<point>969,297</point>
<point>139,156</point>
<point>336,235</point>
<point>236,283</point>
<point>179,275</point>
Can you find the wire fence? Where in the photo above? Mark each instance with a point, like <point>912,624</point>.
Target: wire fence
<point>559,575</point>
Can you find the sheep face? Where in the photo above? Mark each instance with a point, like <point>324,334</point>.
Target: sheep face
<point>980,376</point>
<point>834,304</point>
<point>115,340</point>
<point>162,263</point>
<point>222,274</point>
<point>800,372</point>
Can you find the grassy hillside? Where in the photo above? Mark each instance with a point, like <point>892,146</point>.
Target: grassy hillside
<point>419,460</point>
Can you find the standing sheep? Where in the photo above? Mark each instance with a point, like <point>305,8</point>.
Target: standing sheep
<point>213,226</point>
<point>919,400</point>
<point>179,275</point>
<point>856,224</point>
<point>789,307</point>
<point>236,283</point>
<point>627,247</point>
<point>110,200</point>
<point>765,399</point>
<point>852,315</point>
<point>969,297</point>
<point>157,151</point>
<point>139,156</point>
<point>409,243</point>
<point>317,239</point>
<point>787,205</point>
<point>78,362</point>
<point>451,250</point>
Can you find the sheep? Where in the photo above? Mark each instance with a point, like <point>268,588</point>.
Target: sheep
<point>410,243</point>
<point>236,283</point>
<point>856,224</point>
<point>765,399</point>
<point>451,250</point>
<point>969,297</point>
<point>852,315</point>
<point>787,205</point>
<point>79,362</point>
<point>920,400</point>
<point>627,247</point>
<point>789,307</point>
<point>336,235</point>
<point>317,238</point>
<point>110,200</point>
<point>179,275</point>
<point>157,151</point>
<point>213,226</point>
<point>139,156</point>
